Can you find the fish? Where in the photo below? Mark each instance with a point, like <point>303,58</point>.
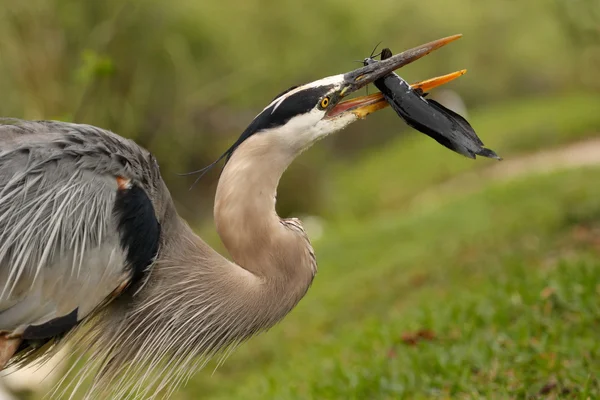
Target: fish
<point>445,126</point>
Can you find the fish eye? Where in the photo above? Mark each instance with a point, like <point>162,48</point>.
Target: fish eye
<point>324,102</point>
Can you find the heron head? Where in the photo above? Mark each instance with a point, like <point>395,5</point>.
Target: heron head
<point>303,114</point>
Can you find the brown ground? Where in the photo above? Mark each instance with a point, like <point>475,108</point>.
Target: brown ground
<point>578,154</point>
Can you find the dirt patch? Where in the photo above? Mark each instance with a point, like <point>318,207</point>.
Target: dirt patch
<point>574,155</point>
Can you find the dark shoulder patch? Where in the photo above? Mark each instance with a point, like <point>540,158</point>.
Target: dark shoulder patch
<point>54,327</point>
<point>138,228</point>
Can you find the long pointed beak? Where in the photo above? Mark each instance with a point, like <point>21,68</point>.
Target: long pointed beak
<point>365,105</point>
<point>359,78</point>
<point>363,76</point>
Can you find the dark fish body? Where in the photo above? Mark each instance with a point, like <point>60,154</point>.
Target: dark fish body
<point>430,117</point>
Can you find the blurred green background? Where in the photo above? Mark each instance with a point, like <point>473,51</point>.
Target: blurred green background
<point>410,237</point>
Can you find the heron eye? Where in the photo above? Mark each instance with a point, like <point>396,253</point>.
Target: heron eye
<point>324,102</point>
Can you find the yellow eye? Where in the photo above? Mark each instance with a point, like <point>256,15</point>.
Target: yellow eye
<point>325,102</point>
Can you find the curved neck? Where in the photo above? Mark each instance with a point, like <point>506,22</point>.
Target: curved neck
<point>195,302</point>
<point>246,220</point>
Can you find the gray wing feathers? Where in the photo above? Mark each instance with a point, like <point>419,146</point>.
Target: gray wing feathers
<point>59,246</point>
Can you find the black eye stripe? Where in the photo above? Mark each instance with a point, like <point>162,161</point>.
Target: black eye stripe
<point>285,91</point>
<point>297,103</point>
<point>279,113</point>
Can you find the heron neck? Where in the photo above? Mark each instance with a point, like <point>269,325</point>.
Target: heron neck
<point>196,302</point>
<point>246,219</point>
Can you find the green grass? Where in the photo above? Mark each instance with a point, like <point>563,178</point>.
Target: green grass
<point>390,177</point>
<point>505,279</point>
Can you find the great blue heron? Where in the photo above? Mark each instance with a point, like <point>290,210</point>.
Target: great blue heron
<point>88,232</point>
